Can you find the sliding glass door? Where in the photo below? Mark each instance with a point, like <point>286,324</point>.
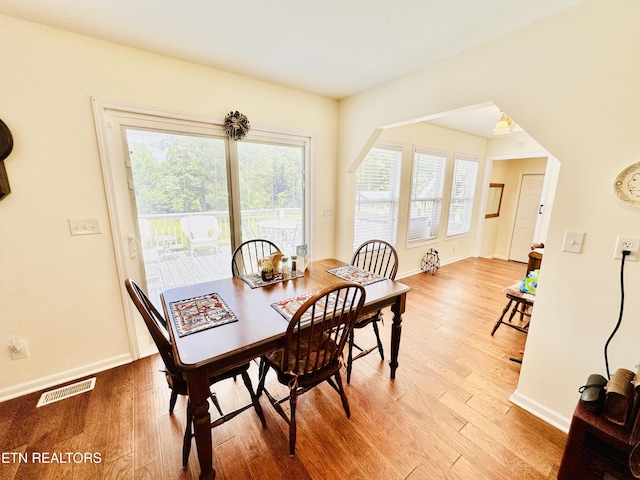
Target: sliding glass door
<point>182,196</point>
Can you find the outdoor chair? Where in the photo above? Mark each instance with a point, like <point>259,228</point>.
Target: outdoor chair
<point>379,257</point>
<point>312,350</point>
<point>159,332</point>
<point>202,231</point>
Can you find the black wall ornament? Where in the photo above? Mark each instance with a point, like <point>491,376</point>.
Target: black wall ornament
<point>6,145</point>
<point>236,125</point>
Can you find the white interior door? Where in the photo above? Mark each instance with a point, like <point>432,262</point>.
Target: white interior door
<point>526,217</point>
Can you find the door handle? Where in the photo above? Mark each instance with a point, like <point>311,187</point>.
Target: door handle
<point>134,247</point>
<point>540,209</point>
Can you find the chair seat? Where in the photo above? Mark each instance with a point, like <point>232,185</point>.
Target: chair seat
<point>321,349</point>
<point>365,320</point>
<point>514,291</point>
<point>522,303</point>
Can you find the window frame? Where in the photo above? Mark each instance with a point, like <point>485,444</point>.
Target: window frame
<point>437,222</point>
<point>394,201</point>
<point>468,199</point>
<point>109,117</point>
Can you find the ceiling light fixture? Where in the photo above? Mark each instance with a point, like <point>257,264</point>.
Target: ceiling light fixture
<point>503,127</point>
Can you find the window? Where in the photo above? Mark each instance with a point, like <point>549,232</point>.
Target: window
<point>183,194</point>
<point>178,175</point>
<point>427,182</point>
<point>462,196</point>
<point>377,189</point>
<point>271,190</point>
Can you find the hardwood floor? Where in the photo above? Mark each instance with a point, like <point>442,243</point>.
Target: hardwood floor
<point>446,415</point>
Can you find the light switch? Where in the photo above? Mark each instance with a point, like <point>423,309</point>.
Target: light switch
<point>573,242</point>
<point>84,226</point>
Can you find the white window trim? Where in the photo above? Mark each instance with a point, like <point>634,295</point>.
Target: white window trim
<point>120,216</point>
<point>385,145</point>
<point>444,205</point>
<point>468,158</point>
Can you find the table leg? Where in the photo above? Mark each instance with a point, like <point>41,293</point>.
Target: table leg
<point>396,329</point>
<point>198,384</point>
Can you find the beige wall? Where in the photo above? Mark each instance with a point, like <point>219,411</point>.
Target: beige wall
<point>571,82</point>
<point>61,293</point>
<point>498,231</point>
<point>431,137</point>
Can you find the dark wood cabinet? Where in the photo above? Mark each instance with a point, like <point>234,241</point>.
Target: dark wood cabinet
<point>596,449</point>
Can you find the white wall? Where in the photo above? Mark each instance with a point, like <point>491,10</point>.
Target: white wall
<point>62,294</point>
<point>571,81</point>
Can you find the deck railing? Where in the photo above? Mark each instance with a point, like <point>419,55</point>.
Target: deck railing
<point>162,231</point>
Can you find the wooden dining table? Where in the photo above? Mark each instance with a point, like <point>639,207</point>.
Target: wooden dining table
<point>258,329</point>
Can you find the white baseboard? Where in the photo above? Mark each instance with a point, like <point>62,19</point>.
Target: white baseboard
<point>63,377</point>
<point>553,418</point>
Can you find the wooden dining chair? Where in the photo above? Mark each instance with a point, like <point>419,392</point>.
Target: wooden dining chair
<point>244,260</point>
<point>159,332</point>
<point>312,349</point>
<point>379,257</point>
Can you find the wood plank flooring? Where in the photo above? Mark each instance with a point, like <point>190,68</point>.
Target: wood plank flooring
<point>447,415</point>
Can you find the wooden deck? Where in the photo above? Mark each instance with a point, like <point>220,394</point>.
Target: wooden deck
<point>178,268</point>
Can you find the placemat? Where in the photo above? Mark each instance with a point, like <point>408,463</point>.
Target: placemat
<point>254,280</point>
<point>200,313</point>
<point>355,274</point>
<point>288,307</point>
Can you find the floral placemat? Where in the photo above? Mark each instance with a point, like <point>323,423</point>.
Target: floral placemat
<point>355,274</point>
<point>200,313</point>
<point>289,306</point>
<point>254,280</point>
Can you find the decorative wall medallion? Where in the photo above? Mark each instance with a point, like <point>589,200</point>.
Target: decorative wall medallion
<point>6,145</point>
<point>236,125</point>
<point>627,185</point>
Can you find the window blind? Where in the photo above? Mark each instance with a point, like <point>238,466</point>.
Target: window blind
<point>377,192</point>
<point>427,183</point>
<point>462,196</point>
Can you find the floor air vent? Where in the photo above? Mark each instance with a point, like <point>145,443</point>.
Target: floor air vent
<point>65,392</point>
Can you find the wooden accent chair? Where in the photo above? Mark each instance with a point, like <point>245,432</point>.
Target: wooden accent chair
<point>312,350</point>
<point>159,332</point>
<point>244,260</point>
<point>375,256</point>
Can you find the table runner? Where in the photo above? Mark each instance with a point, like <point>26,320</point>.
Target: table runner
<point>200,313</point>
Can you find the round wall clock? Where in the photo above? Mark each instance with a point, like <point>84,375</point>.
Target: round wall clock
<point>627,185</point>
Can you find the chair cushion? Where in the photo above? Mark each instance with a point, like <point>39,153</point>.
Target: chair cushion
<point>326,350</point>
<point>364,320</point>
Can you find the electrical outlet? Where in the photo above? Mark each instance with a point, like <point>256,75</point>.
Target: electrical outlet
<point>632,244</point>
<point>18,349</point>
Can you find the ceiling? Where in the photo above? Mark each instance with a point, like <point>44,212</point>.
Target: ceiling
<point>333,48</point>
